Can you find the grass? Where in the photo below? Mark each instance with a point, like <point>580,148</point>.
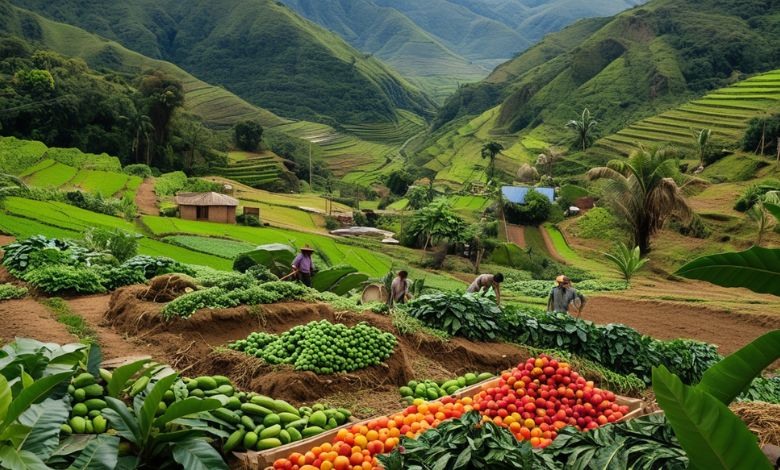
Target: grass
<point>286,217</point>
<point>535,241</point>
<point>52,176</point>
<point>63,215</point>
<point>148,246</point>
<point>215,246</point>
<point>74,323</point>
<point>100,182</point>
<point>16,155</point>
<point>21,227</point>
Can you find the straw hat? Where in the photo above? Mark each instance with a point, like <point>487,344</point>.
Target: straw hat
<point>560,280</point>
<point>306,247</point>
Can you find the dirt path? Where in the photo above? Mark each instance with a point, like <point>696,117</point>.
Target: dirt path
<point>665,320</point>
<point>113,344</point>
<point>548,243</point>
<point>516,235</point>
<point>146,199</point>
<point>26,318</point>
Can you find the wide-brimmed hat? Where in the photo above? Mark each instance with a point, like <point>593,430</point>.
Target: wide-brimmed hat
<point>560,280</point>
<point>307,248</point>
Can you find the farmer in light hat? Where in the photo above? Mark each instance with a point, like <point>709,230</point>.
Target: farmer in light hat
<point>564,295</point>
<point>303,265</point>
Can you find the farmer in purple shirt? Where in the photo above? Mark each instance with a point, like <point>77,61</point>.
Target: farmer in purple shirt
<point>303,265</point>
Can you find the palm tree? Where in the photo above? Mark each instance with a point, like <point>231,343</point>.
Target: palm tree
<point>643,191</point>
<point>584,128</point>
<point>489,151</point>
<point>701,140</point>
<point>547,160</point>
<point>761,216</point>
<point>141,128</point>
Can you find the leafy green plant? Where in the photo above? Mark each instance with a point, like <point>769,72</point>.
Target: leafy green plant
<point>114,277</point>
<point>121,244</point>
<point>276,256</point>
<point>165,438</point>
<point>464,444</point>
<point>17,254</point>
<point>338,279</point>
<point>57,278</point>
<point>766,389</point>
<point>627,260</point>
<point>10,291</point>
<point>584,128</point>
<point>757,269</point>
<point>152,266</point>
<point>471,316</point>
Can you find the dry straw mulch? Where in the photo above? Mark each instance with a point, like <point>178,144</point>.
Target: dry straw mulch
<point>763,419</point>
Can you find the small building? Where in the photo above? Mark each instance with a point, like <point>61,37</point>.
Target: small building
<point>207,207</point>
<point>517,194</point>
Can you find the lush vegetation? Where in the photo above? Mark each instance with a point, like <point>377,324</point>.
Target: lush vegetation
<point>471,316</point>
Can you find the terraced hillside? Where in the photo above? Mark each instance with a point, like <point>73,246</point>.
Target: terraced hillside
<point>361,153</point>
<point>726,111</point>
<point>252,169</point>
<point>217,106</point>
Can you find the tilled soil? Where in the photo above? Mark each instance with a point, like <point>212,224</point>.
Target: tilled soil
<point>663,320</point>
<point>26,318</point>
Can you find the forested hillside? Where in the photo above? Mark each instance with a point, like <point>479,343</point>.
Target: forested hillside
<point>633,65</point>
<point>258,49</point>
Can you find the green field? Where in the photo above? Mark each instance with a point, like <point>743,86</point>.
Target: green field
<point>148,246</point>
<point>286,217</point>
<point>726,111</point>
<point>252,169</point>
<point>16,155</point>
<point>53,175</point>
<point>227,249</point>
<point>104,183</point>
<point>361,258</point>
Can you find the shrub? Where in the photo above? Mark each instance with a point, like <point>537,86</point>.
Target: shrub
<point>470,316</point>
<point>261,273</point>
<point>112,277</point>
<point>597,223</point>
<point>10,291</point>
<point>153,266</point>
<point>58,278</point>
<point>536,210</point>
<point>250,220</point>
<point>766,130</point>
<point>138,169</point>
<point>686,358</point>
<point>225,280</point>
<point>122,245</point>
<point>754,193</point>
<point>170,183</point>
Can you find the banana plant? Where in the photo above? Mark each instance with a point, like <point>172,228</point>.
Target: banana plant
<point>712,436</point>
<point>169,437</point>
<point>338,279</point>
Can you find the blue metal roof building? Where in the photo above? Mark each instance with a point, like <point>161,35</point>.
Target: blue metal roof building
<point>516,194</point>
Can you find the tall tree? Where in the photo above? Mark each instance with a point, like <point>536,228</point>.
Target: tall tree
<point>248,135</point>
<point>140,127</point>
<point>163,94</point>
<point>585,128</point>
<point>436,222</point>
<point>490,150</point>
<point>701,140</point>
<point>643,191</point>
<point>761,216</point>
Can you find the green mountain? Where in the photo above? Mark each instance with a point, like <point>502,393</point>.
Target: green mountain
<point>625,68</point>
<point>257,49</point>
<point>215,105</point>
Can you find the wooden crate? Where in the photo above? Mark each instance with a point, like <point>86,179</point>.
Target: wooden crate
<point>263,460</point>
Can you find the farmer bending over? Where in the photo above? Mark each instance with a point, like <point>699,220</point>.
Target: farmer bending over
<point>399,289</point>
<point>484,282</point>
<point>303,266</point>
<point>563,295</point>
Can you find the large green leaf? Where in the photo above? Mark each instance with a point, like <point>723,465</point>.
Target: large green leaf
<point>757,269</point>
<point>14,459</point>
<point>33,394</point>
<point>326,278</point>
<point>45,420</point>
<point>773,209</point>
<point>151,403</point>
<point>276,256</point>
<point>349,282</point>
<point>5,397</point>
<point>732,375</point>
<point>187,407</point>
<point>100,454</point>
<point>712,436</point>
<point>122,420</point>
<point>121,375</point>
<point>196,454</point>
<point>94,358</point>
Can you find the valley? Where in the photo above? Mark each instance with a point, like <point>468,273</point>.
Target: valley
<point>388,234</point>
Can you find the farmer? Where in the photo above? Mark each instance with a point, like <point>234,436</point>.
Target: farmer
<point>564,295</point>
<point>399,289</point>
<point>484,282</point>
<point>303,265</point>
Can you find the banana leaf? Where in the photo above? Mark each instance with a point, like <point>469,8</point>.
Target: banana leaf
<point>276,256</point>
<point>712,436</point>
<point>757,269</point>
<point>349,282</point>
<point>773,209</point>
<point>732,375</point>
<point>327,278</point>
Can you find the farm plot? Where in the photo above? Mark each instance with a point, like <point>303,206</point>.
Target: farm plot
<point>286,217</point>
<point>362,259</point>
<point>104,183</point>
<point>16,155</point>
<point>725,111</point>
<point>228,249</point>
<point>50,174</point>
<point>252,169</point>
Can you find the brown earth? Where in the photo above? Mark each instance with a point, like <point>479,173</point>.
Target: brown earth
<point>188,345</point>
<point>516,235</point>
<point>27,318</point>
<point>548,243</point>
<point>666,320</point>
<point>146,199</point>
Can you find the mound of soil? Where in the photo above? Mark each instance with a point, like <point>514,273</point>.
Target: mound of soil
<point>194,346</point>
<point>167,287</point>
